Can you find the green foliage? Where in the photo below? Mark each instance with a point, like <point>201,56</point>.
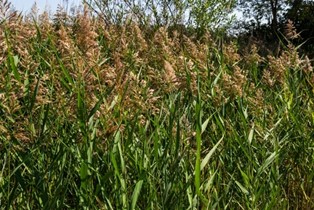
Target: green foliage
<point>202,14</point>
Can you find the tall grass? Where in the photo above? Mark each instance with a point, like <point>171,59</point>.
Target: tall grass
<point>121,117</point>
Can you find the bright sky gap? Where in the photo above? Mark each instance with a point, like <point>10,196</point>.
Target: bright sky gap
<point>50,5</point>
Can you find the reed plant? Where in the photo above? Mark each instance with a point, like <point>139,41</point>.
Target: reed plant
<point>97,116</point>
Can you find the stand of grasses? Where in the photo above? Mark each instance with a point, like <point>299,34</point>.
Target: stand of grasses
<point>120,117</point>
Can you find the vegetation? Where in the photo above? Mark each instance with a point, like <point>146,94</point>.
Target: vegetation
<point>130,116</point>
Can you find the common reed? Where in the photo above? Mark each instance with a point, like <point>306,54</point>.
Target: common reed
<point>100,116</point>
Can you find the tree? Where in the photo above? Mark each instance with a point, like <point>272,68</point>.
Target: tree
<point>301,13</point>
<point>201,14</point>
<point>261,11</point>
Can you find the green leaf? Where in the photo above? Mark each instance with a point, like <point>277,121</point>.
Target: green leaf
<point>83,171</point>
<point>242,188</point>
<point>210,182</point>
<point>209,155</point>
<point>16,60</point>
<point>267,162</point>
<point>84,175</point>
<point>136,193</point>
<point>251,134</point>
<point>65,71</point>
<point>95,108</point>
<point>204,125</point>
<point>13,61</point>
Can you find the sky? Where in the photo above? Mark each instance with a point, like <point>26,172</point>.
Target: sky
<point>26,5</point>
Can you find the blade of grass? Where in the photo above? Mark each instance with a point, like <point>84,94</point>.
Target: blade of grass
<point>13,62</point>
<point>136,193</point>
<point>210,153</point>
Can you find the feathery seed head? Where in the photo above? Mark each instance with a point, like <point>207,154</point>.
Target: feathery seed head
<point>290,31</point>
